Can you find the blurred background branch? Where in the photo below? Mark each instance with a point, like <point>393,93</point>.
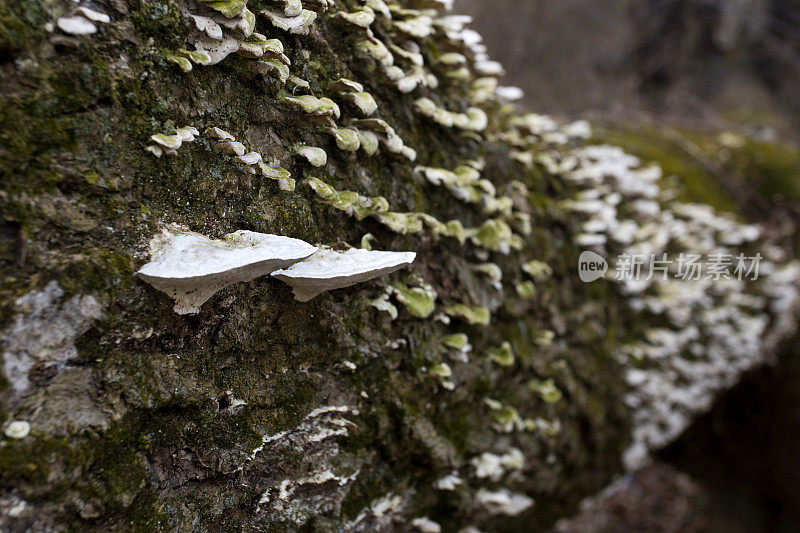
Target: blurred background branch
<point>720,63</point>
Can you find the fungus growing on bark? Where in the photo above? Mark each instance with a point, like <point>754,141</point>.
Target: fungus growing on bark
<point>349,201</point>
<point>402,223</point>
<point>420,26</point>
<point>184,64</point>
<point>494,467</point>
<point>364,102</point>
<point>362,18</point>
<point>250,158</point>
<point>205,25</point>
<point>496,235</point>
<point>423,524</point>
<point>375,49</point>
<point>471,315</point>
<point>448,482</point>
<point>526,289</point>
<point>316,156</point>
<point>314,106</point>
<point>169,144</point>
<point>443,372</point>
<point>344,85</point>
<point>382,303</point>
<point>537,270</point>
<point>419,301</point>
<point>190,267</point>
<point>503,501</point>
<point>465,183</point>
<point>256,45</point>
<point>18,429</point>
<point>279,174</point>
<point>77,25</point>
<point>273,67</point>
<point>493,272</point>
<point>474,119</point>
<point>231,147</point>
<point>546,390</point>
<point>510,93</point>
<point>214,50</point>
<point>291,8</point>
<point>298,24</point>
<point>330,269</point>
<point>457,341</point>
<point>386,134</point>
<point>503,355</point>
<point>218,133</point>
<point>369,142</point>
<point>347,139</point>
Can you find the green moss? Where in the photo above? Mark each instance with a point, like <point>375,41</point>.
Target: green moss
<point>652,144</point>
<point>161,21</point>
<point>21,25</point>
<point>770,167</point>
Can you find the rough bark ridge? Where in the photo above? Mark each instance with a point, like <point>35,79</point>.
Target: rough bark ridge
<point>265,413</point>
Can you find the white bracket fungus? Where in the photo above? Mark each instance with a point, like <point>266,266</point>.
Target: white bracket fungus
<point>496,235</point>
<point>503,355</point>
<point>504,501</point>
<point>347,139</point>
<point>190,267</point>
<point>386,134</point>
<point>316,156</point>
<point>471,315</point>
<point>525,289</point>
<point>329,269</point>
<point>474,119</point>
<point>229,8</point>
<point>344,85</point>
<point>280,174</point>
<point>349,201</point>
<point>82,22</point>
<point>314,106</point>
<point>494,467</point>
<point>424,524</point>
<point>363,101</point>
<point>169,144</point>
<point>299,24</point>
<point>18,429</point>
<point>459,342</point>
<point>419,301</point>
<point>362,18</point>
<point>449,482</point>
<point>382,303</point>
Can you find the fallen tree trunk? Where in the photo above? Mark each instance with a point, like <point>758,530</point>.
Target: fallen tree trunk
<point>485,386</point>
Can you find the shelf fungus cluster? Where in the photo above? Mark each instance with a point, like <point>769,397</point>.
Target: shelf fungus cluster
<point>81,21</point>
<point>473,119</point>
<point>169,143</point>
<point>329,269</point>
<point>466,184</point>
<point>191,268</point>
<point>710,326</point>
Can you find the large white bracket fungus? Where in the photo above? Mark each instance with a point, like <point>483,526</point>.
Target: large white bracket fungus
<point>329,269</point>
<point>190,267</point>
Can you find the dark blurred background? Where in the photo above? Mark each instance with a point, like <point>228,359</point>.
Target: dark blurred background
<point>711,62</point>
<point>709,89</point>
